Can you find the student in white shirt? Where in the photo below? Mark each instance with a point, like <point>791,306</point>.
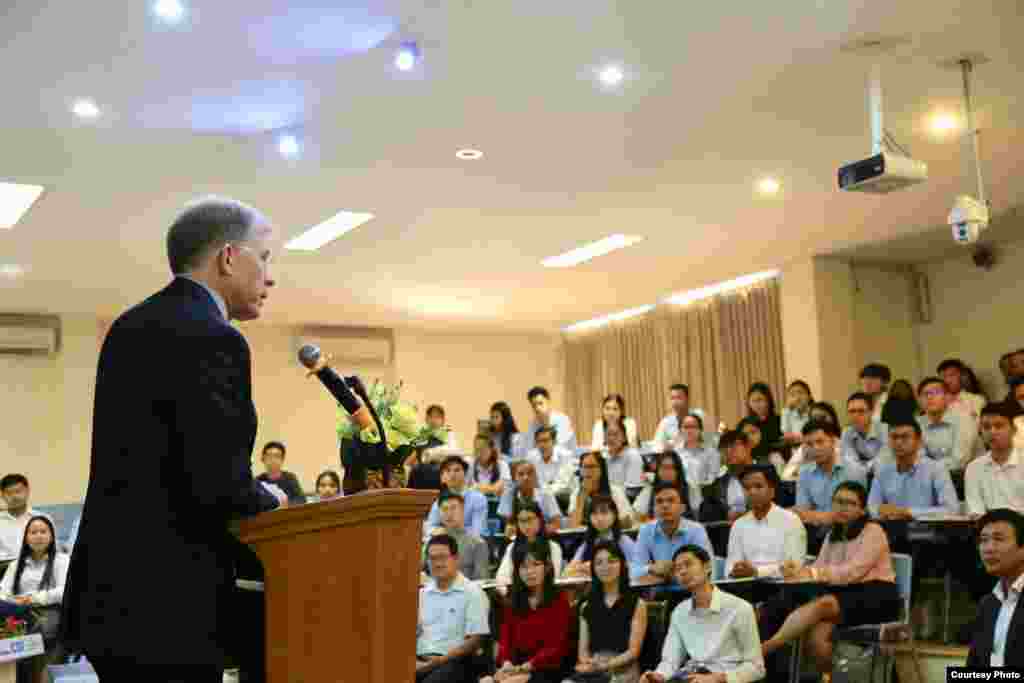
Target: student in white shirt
<point>436,421</point>
<point>703,463</point>
<point>506,436</point>
<point>37,580</point>
<point>797,412</point>
<point>529,527</point>
<point>625,464</point>
<point>996,480</point>
<point>670,427</point>
<point>489,473</point>
<point>556,466</point>
<point>711,634</point>
<point>593,482</point>
<point>767,536</point>
<point>545,416</point>
<point>15,491</point>
<point>613,409</point>
<point>874,381</point>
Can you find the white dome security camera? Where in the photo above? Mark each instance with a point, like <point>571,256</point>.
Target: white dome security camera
<point>968,218</point>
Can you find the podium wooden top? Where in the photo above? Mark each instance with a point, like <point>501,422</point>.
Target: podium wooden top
<point>350,510</point>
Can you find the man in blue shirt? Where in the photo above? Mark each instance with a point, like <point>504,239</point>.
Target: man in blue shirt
<point>453,477</point>
<point>545,416</point>
<point>865,440</point>
<point>658,541</point>
<point>913,485</point>
<point>940,425</point>
<point>826,470</point>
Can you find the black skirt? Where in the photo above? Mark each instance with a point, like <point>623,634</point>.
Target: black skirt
<point>872,602</point>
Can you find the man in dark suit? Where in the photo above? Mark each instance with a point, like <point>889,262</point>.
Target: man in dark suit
<point>999,636</point>
<point>151,578</point>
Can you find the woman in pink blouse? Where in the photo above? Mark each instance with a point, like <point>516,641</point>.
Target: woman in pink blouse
<point>852,576</point>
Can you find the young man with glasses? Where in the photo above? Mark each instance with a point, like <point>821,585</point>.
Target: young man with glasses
<point>942,427</point>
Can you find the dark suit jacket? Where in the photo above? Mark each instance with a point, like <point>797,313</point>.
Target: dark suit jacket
<point>981,646</point>
<point>715,506</point>
<point>173,427</point>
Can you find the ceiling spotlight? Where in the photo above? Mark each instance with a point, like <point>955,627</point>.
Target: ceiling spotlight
<point>406,57</point>
<point>469,154</point>
<point>85,109</point>
<point>288,146</point>
<point>944,123</point>
<point>169,10</point>
<point>768,186</point>
<point>611,75</point>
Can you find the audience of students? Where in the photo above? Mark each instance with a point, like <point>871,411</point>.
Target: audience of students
<point>825,470</point>
<point>613,410</point>
<point>328,485</point>
<point>555,465</point>
<point>874,381</point>
<point>941,426</point>
<point>657,541</point>
<point>273,460</point>
<point>797,413</point>
<point>453,618</point>
<point>453,479</point>
<point>528,527</point>
<point>15,491</point>
<point>489,473</point>
<point>603,525</point>
<point>525,489</point>
<point>534,645</point>
<point>670,427</point>
<point>474,555</point>
<point>710,634</point>
<point>613,619</point>
<point>505,434</point>
<point>724,499</point>
<point>854,582</point>
<point>625,464</point>
<point>669,469</point>
<point>594,481</point>
<point>768,536</point>
<point>545,416</point>
<point>865,440</point>
<point>996,479</point>
<point>999,632</point>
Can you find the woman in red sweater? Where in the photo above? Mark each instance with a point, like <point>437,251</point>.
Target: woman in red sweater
<point>534,644</point>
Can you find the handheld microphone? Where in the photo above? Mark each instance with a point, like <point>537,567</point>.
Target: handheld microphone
<point>310,356</point>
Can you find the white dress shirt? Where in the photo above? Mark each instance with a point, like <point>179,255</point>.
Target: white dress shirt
<point>504,574</point>
<point>988,485</point>
<point>1005,618</point>
<point>558,474</point>
<point>12,532</point>
<point>32,576</point>
<point>625,469</point>
<point>767,543</point>
<point>722,638</point>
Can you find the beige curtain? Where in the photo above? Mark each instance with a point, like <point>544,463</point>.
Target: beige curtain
<point>717,346</point>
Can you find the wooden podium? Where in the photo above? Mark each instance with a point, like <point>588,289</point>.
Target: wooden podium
<point>342,586</point>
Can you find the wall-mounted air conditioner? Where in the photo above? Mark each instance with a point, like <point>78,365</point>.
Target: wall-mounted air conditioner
<point>354,346</point>
<point>29,335</point>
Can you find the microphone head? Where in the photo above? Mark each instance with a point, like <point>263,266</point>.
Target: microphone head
<point>309,355</point>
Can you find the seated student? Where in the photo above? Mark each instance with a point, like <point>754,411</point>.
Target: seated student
<point>912,485</point>
<point>657,541</point>
<point>761,408</point>
<point>613,620</point>
<point>528,527</point>
<point>956,375</point>
<point>712,636</point>
<point>328,485</point>
<point>453,478</point>
<point>996,480</point>
<point>767,536</point>
<point>670,430</point>
<point>37,580</point>
<point>555,465</point>
<point>941,425</point>
<point>702,463</point>
<point>855,567</point>
<point>444,443</point>
<point>902,403</point>
<point>824,471</point>
<point>999,633</point>
<point>724,499</point>
<point>545,416</point>
<point>505,435</point>
<point>797,412</point>
<point>864,441</point>
<point>534,642</point>
<point>1016,401</point>
<point>453,618</point>
<point>613,411</point>
<point>273,460</point>
<point>874,381</point>
<point>474,555</point>
<point>15,491</point>
<point>761,452</point>
<point>489,473</point>
<point>625,464</point>
<point>593,482</point>
<point>823,412</point>
<point>669,469</point>
<point>523,490</point>
<point>603,525</point>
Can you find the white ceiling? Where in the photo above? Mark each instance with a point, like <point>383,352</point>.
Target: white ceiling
<point>717,95</point>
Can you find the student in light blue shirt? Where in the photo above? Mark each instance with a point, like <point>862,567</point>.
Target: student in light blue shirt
<point>545,416</point>
<point>913,485</point>
<point>824,472</point>
<point>453,477</point>
<point>865,441</point>
<point>941,425</point>
<point>658,541</point>
<point>526,488</point>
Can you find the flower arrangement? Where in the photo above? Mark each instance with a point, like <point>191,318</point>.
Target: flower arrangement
<point>12,627</point>
<point>400,419</point>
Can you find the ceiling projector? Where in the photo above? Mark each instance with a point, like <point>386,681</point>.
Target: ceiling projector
<point>882,173</point>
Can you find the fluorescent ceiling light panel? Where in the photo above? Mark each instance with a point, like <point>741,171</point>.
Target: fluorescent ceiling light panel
<point>604,320</point>
<point>331,229</point>
<point>591,251</point>
<point>684,298</point>
<point>15,201</point>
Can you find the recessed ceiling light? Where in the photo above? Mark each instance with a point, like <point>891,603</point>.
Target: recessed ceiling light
<point>331,229</point>
<point>611,75</point>
<point>15,201</point>
<point>944,123</point>
<point>85,109</point>
<point>11,270</point>
<point>591,251</point>
<point>469,154</point>
<point>405,58</point>
<point>768,186</point>
<point>604,320</point>
<point>288,146</point>
<point>169,10</point>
